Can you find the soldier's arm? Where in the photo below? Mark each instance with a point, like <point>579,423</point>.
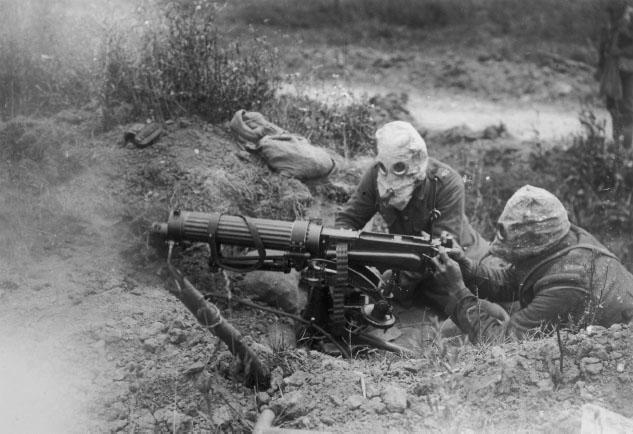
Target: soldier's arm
<point>557,297</point>
<point>362,205</point>
<point>495,283</point>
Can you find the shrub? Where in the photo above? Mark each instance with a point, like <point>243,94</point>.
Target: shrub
<point>594,177</point>
<point>184,65</point>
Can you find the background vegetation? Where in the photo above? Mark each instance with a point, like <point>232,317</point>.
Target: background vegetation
<point>123,61</point>
<point>168,58</point>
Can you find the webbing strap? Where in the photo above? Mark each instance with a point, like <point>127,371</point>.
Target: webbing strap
<point>216,256</point>
<point>562,252</point>
<point>435,213</point>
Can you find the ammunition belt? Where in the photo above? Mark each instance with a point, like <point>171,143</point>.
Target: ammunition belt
<point>338,295</point>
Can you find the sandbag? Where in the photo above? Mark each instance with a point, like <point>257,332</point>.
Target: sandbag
<point>252,126</point>
<point>294,155</point>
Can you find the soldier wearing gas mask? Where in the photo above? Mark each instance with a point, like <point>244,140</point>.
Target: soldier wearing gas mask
<point>414,194</point>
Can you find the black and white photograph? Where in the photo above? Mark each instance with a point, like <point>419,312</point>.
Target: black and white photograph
<point>316,216</point>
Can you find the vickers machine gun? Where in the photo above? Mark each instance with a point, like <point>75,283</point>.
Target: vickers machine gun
<point>342,268</point>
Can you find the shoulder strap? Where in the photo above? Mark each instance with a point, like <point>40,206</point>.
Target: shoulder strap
<point>562,252</point>
<point>435,213</point>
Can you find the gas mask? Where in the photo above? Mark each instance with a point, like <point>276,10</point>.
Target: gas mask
<point>402,161</point>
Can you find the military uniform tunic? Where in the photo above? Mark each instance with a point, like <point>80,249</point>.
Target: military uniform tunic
<point>447,196</point>
<point>577,282</point>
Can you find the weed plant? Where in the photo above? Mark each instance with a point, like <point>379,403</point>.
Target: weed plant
<point>183,65</point>
<point>594,177</point>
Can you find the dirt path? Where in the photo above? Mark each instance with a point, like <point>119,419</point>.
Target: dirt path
<point>439,110</point>
<point>525,121</point>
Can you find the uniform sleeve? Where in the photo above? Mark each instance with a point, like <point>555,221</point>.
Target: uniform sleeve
<point>557,297</point>
<point>450,202</point>
<point>496,284</point>
<point>362,205</point>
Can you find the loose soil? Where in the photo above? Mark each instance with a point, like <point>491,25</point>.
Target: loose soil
<point>92,341</point>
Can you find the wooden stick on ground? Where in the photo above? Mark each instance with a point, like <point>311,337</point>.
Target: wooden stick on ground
<point>209,316</point>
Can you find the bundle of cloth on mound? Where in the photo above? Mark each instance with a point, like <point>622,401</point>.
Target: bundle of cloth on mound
<point>284,152</point>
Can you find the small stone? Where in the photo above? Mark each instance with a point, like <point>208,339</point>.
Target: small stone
<point>221,415</point>
<point>571,373</point>
<point>601,354</point>
<point>354,401</point>
<point>372,391</point>
<point>263,398</point>
<point>178,324</point>
<point>304,422</point>
<point>545,383</point>
<point>293,404</point>
<point>534,377</point>
<point>423,388</point>
<point>498,353</point>
<point>620,367</point>
<point>297,379</point>
<point>591,365</point>
<point>277,379</point>
<point>118,425</point>
<point>584,394</point>
<point>151,345</point>
<point>156,328</point>
<point>173,418</point>
<point>375,405</point>
<point>615,355</point>
<point>178,338</point>
<point>333,363</point>
<point>412,366</point>
<point>337,400</point>
<point>593,330</point>
<point>145,421</point>
<point>112,336</point>
<point>327,420</point>
<point>195,368</point>
<point>395,398</point>
<point>119,375</point>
